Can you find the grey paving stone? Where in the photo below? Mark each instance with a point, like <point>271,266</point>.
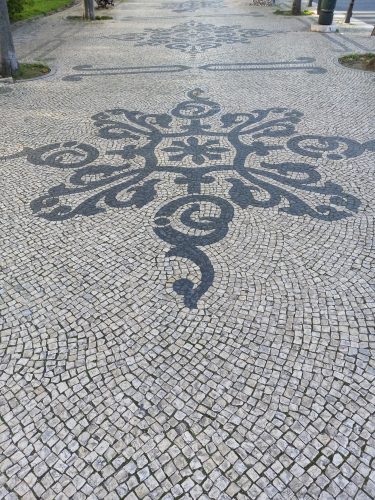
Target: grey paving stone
<point>187,294</point>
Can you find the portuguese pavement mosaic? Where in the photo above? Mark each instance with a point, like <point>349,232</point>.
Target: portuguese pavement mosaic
<point>187,295</point>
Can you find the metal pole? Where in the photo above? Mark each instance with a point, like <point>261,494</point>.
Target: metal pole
<point>350,12</point>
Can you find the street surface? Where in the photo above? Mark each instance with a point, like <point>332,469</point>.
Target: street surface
<point>363,9</point>
<point>187,268</point>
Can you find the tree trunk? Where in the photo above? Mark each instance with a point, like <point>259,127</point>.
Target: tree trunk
<point>89,10</point>
<point>373,32</point>
<point>349,12</point>
<point>296,8</point>
<point>8,59</point>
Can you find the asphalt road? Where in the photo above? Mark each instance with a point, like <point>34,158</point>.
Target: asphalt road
<point>363,9</point>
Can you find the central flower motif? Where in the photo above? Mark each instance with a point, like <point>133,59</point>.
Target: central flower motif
<point>198,152</point>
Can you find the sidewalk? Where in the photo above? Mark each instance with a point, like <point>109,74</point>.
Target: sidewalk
<point>356,23</point>
<point>187,258</point>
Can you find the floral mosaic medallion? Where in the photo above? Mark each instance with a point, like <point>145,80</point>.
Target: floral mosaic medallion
<point>193,37</point>
<point>192,5</point>
<point>248,154</point>
<point>262,3</point>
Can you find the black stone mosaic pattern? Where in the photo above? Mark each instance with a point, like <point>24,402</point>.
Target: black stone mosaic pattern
<point>193,36</point>
<point>186,144</point>
<point>192,5</point>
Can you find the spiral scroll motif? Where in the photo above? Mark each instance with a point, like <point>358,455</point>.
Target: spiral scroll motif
<point>201,230</point>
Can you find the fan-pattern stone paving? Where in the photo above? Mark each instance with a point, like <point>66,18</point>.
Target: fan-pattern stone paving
<point>187,259</point>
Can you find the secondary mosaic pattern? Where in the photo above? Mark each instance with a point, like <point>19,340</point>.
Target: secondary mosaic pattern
<point>262,3</point>
<point>187,144</point>
<point>192,5</point>
<point>193,37</point>
<point>301,63</point>
<point>306,64</point>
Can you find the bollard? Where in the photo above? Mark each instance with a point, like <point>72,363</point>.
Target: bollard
<point>326,12</point>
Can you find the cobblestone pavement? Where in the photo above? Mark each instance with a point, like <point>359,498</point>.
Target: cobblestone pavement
<point>187,259</point>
